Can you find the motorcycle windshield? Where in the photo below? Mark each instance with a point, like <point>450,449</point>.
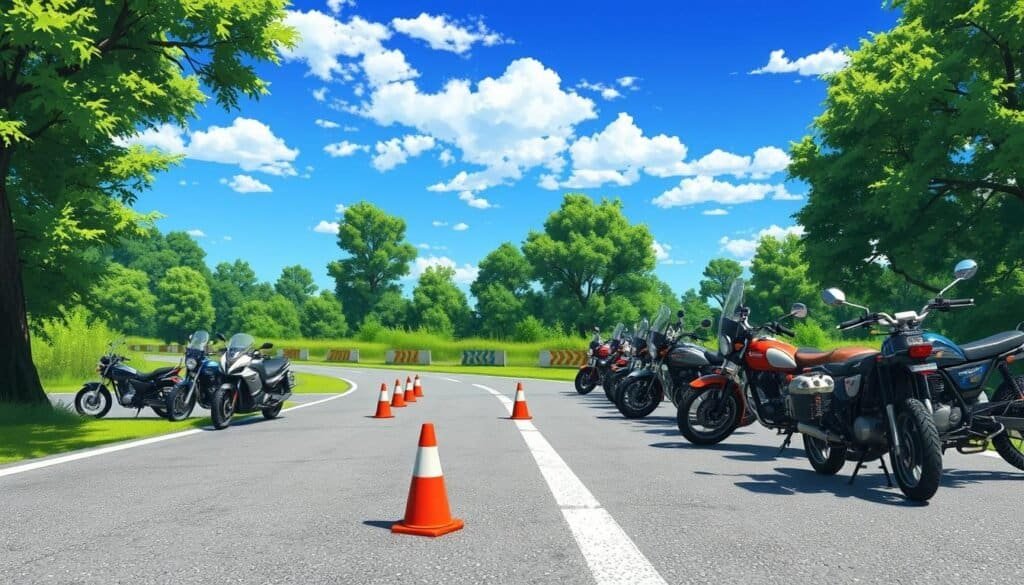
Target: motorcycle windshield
<point>239,343</point>
<point>732,302</point>
<point>199,340</point>
<point>617,333</point>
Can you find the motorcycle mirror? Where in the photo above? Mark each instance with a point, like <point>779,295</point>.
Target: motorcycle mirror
<point>597,329</point>
<point>220,336</point>
<point>799,310</point>
<point>965,269</point>
<point>833,297</point>
<point>705,323</point>
<point>267,345</point>
<point>680,313</point>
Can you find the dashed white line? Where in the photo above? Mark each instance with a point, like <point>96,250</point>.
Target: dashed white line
<point>613,558</point>
<point>143,442</point>
<point>450,379</point>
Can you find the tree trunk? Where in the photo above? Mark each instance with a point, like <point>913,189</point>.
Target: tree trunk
<point>19,380</point>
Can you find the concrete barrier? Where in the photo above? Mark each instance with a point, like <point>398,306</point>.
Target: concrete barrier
<point>342,355</point>
<point>170,348</point>
<point>562,358</point>
<point>407,356</point>
<point>483,357</point>
<point>293,353</point>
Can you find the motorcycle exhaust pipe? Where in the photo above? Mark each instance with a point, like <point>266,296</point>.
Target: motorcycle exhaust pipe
<point>819,433</point>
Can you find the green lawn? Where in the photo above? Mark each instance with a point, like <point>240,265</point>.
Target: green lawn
<point>561,374</point>
<point>316,384</point>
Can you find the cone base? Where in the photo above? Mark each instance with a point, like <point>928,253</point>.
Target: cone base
<point>388,416</point>
<point>409,397</point>
<point>402,528</point>
<point>393,405</point>
<point>417,394</point>
<point>527,417</point>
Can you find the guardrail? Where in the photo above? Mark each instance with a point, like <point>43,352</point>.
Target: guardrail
<point>169,348</point>
<point>483,357</point>
<point>293,353</point>
<point>562,358</point>
<point>407,356</point>
<point>342,355</point>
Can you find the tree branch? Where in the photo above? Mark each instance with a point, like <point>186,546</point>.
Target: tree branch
<point>944,183</point>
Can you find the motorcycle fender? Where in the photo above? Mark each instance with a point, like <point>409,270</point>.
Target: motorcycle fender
<point>716,381</point>
<point>710,381</point>
<point>644,373</point>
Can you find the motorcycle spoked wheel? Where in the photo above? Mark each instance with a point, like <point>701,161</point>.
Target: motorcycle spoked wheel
<point>825,458</point>
<point>708,417</point>
<point>586,380</point>
<point>918,468</point>
<point>222,408</point>
<point>614,380</point>
<point>178,409</point>
<point>639,397</point>
<point>1010,443</point>
<point>93,400</point>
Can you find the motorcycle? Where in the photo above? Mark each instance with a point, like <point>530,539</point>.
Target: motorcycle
<point>250,381</point>
<point>633,355</point>
<point>134,389</point>
<point>599,360</point>
<point>953,385</point>
<point>672,367</point>
<point>202,377</point>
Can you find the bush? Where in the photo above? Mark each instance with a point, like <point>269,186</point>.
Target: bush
<point>810,334</point>
<point>66,350</point>
<point>530,330</point>
<point>370,329</point>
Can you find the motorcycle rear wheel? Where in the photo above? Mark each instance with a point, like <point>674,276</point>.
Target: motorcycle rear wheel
<point>1010,444</point>
<point>638,397</point>
<point>273,411</point>
<point>918,469</point>
<point>702,426</point>
<point>222,408</point>
<point>586,380</point>
<point>825,458</point>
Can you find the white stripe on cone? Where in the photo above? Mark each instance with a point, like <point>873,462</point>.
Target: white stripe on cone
<point>428,463</point>
<point>384,395</point>
<point>408,385</point>
<point>520,396</point>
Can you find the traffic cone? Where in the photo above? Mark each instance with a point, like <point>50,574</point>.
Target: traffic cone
<point>417,389</point>
<point>426,511</point>
<point>410,396</point>
<point>519,410</point>
<point>398,399</point>
<point>383,406</point>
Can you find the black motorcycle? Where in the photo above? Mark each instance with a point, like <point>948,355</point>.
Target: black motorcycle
<point>134,389</point>
<point>600,357</point>
<point>633,357</point>
<point>251,382</point>
<point>673,365</point>
<point>202,378</point>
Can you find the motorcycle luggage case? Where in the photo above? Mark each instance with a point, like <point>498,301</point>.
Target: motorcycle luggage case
<point>810,397</point>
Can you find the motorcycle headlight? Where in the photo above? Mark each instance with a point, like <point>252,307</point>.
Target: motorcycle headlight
<point>724,345</point>
<point>191,364</point>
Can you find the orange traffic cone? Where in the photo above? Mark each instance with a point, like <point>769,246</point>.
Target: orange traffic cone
<point>383,406</point>
<point>410,396</point>
<point>417,389</point>
<point>398,399</point>
<point>519,410</point>
<point>426,511</point>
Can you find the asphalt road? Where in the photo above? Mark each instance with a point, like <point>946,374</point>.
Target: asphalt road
<point>579,495</point>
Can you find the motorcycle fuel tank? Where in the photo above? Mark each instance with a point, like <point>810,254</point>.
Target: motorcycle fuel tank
<point>771,355</point>
<point>687,357</point>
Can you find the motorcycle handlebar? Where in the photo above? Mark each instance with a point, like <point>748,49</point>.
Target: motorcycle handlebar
<point>785,330</point>
<point>852,323</point>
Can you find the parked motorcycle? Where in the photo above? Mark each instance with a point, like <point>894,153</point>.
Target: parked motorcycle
<point>134,389</point>
<point>673,365</point>
<point>953,382</point>
<point>250,381</point>
<point>633,355</point>
<point>202,378</point>
<point>600,357</point>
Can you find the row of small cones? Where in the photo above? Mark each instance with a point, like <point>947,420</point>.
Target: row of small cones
<point>426,510</point>
<point>399,399</point>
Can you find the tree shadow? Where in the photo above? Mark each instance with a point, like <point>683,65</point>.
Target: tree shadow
<point>789,481</point>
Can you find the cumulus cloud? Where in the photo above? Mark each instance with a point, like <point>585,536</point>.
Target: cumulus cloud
<point>344,148</point>
<point>618,153</point>
<point>460,227</point>
<point>745,248</point>
<point>397,151</point>
<point>765,162</point>
<point>438,223</point>
<point>474,201</point>
<point>718,211</point>
<point>705,189</point>
<point>326,123</point>
<point>662,252</point>
<point>340,208</point>
<point>324,40</point>
<point>781,194</point>
<point>444,34</point>
<point>326,227</point>
<point>246,184</point>
<point>196,233</point>
<point>464,274</point>
<point>446,157</point>
<point>337,5</point>
<point>628,81</point>
<point>320,94</point>
<point>607,92</point>
<point>825,61</point>
<point>387,67</point>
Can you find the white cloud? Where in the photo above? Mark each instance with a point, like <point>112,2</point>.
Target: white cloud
<point>765,162</point>
<point>183,183</point>
<point>438,223</point>
<point>324,40</point>
<point>387,67</point>
<point>769,160</point>
<point>474,201</point>
<point>326,123</point>
<point>443,34</point>
<point>464,274</point>
<point>704,189</point>
<point>548,182</point>
<point>610,93</point>
<point>745,248</point>
<point>166,137</point>
<point>326,227</point>
<point>196,233</point>
<point>344,148</point>
<point>339,208</point>
<point>607,92</point>
<point>619,152</point>
<point>827,60</point>
<point>662,252</point>
<point>460,227</point>
<point>337,5</point>
<point>781,194</point>
<point>718,211</point>
<point>397,151</point>
<point>320,94</point>
<point>246,184</point>
<point>628,81</point>
<point>446,157</point>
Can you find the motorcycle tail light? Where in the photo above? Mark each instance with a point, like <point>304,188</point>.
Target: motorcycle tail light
<point>921,351</point>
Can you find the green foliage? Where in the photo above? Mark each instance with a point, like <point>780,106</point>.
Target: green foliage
<point>696,309</point>
<point>499,310</point>
<point>505,267</point>
<point>371,329</point>
<point>440,307</point>
<point>123,298</point>
<point>323,318</point>
<point>275,317</point>
<point>295,284</point>
<point>779,279</point>
<point>529,330</point>
<point>377,256</point>
<point>718,277</point>
<point>810,334</point>
<point>67,348</point>
<point>184,304</point>
<point>232,284</point>
<point>916,159</point>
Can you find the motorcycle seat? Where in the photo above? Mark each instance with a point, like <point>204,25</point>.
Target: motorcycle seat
<point>808,358</point>
<point>713,358</point>
<point>850,367</point>
<point>155,374</point>
<point>272,367</point>
<point>993,345</point>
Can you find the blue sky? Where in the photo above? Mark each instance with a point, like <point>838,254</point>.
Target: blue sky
<point>471,119</point>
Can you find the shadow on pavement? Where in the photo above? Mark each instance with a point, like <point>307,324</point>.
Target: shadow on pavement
<point>386,524</point>
<point>740,451</point>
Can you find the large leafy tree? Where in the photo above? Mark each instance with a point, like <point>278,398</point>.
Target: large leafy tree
<point>377,256</point>
<point>295,284</point>
<point>232,284</point>
<point>440,307</point>
<point>585,254</point>
<point>502,291</point>
<point>75,76</point>
<point>275,317</point>
<point>322,317</point>
<point>123,299</point>
<point>779,278</point>
<point>917,160</point>
<point>718,277</point>
<point>185,304</point>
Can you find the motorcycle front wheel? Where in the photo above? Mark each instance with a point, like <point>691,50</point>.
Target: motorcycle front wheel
<point>1010,443</point>
<point>178,409</point>
<point>222,408</point>
<point>614,379</point>
<point>918,467</point>
<point>708,417</point>
<point>638,397</point>
<point>93,400</point>
<point>586,380</point>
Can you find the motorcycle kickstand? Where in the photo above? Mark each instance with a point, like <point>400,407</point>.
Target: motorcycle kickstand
<point>137,411</point>
<point>856,470</point>
<point>785,443</point>
<point>885,469</point>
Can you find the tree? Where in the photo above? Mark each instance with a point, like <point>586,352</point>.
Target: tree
<point>323,318</point>
<point>392,310</point>
<point>916,161</point>
<point>779,279</point>
<point>499,311</point>
<point>378,256</point>
<point>185,304</point>
<point>295,284</point>
<point>718,277</point>
<point>696,309</point>
<point>502,288</point>
<point>585,252</point>
<point>188,252</point>
<point>232,284</point>
<point>122,299</point>
<point>505,267</point>
<point>277,318</point>
<point>77,76</point>
<point>439,306</point>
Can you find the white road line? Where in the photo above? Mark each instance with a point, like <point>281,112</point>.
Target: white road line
<point>143,442</point>
<point>450,379</point>
<point>613,558</point>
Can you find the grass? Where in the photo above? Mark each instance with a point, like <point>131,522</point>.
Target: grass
<point>315,384</point>
<point>559,374</point>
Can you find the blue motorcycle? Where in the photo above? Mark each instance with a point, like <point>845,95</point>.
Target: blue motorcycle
<point>202,377</point>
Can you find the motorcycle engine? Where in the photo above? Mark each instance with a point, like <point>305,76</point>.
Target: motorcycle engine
<point>809,397</point>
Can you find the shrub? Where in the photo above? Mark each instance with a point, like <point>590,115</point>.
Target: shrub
<point>530,330</point>
<point>810,334</point>
<point>66,350</point>
<point>370,329</point>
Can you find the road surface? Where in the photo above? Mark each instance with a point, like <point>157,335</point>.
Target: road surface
<point>577,495</point>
